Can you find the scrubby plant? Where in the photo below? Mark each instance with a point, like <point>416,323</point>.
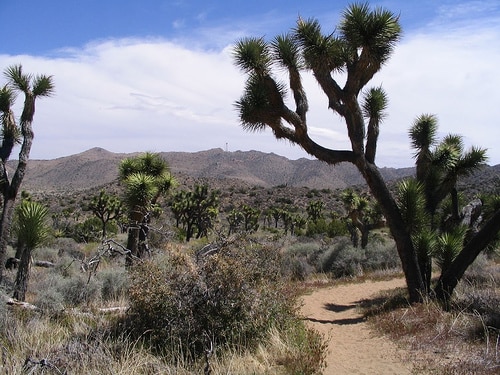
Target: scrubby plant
<point>78,290</point>
<point>342,259</point>
<point>231,297</point>
<point>114,283</point>
<point>304,352</point>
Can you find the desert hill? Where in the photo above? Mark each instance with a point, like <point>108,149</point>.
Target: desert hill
<point>99,168</point>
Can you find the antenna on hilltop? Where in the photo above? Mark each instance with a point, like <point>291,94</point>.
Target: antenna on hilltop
<point>226,146</point>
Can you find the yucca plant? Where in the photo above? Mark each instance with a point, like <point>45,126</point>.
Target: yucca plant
<point>146,179</point>
<point>32,231</point>
<point>449,245</point>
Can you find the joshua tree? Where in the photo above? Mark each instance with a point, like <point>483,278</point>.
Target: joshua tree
<point>146,179</point>
<point>32,87</point>
<point>363,42</point>
<point>196,210</point>
<point>437,227</point>
<point>106,207</point>
<point>32,228</point>
<point>362,216</point>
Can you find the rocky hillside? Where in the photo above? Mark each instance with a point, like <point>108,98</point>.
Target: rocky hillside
<point>98,168</point>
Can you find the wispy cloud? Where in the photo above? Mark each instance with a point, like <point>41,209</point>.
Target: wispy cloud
<point>155,94</point>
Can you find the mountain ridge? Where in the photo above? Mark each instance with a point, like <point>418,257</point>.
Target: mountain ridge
<point>99,167</point>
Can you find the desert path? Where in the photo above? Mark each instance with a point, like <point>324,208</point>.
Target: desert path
<point>353,347</point>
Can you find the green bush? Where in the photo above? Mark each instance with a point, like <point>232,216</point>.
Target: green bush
<point>114,283</point>
<point>342,259</point>
<point>381,255</point>
<point>306,353</point>
<point>78,290</point>
<point>231,297</point>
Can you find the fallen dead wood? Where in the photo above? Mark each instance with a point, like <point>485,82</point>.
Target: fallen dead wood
<point>44,263</point>
<point>21,304</point>
<point>112,310</point>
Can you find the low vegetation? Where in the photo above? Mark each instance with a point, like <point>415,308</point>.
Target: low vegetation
<point>463,339</point>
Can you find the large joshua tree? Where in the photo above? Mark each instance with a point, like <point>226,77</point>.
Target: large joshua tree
<point>439,165</point>
<point>33,87</point>
<point>146,178</point>
<point>361,44</point>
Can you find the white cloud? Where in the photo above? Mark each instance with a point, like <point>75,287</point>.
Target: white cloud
<point>158,95</point>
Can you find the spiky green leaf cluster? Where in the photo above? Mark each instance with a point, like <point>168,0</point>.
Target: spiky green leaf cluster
<point>411,202</point>
<point>375,104</point>
<point>375,32</point>
<point>31,226</point>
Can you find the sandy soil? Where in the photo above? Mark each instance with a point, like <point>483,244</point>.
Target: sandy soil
<point>353,347</point>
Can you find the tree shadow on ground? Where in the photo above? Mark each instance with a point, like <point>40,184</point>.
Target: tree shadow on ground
<point>338,308</point>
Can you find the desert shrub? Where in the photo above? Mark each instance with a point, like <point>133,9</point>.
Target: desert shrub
<point>341,259</point>
<point>69,247</point>
<point>78,290</point>
<point>4,314</point>
<point>296,268</point>
<point>477,293</point>
<point>49,254</point>
<point>305,352</point>
<point>231,297</point>
<point>114,283</point>
<point>298,259</point>
<point>49,300</point>
<point>481,271</point>
<point>381,255</point>
<point>303,248</point>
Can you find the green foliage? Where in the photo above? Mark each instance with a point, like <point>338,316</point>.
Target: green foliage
<point>106,207</point>
<point>449,244</point>
<point>231,297</point>
<point>245,218</point>
<point>315,211</point>
<point>114,283</point>
<point>31,226</point>
<point>342,259</point>
<point>195,210</point>
<point>90,230</point>
<point>411,202</point>
<point>307,353</point>
<point>319,226</point>
<point>147,178</point>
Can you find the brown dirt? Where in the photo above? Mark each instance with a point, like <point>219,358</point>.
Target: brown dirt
<point>353,347</point>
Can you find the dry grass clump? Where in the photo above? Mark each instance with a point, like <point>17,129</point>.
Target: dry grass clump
<point>465,339</point>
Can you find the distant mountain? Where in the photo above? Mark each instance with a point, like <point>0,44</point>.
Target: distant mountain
<point>98,167</point>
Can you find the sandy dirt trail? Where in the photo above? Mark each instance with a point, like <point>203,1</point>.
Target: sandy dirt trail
<point>353,347</point>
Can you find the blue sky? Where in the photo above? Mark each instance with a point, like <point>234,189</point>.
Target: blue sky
<point>158,76</point>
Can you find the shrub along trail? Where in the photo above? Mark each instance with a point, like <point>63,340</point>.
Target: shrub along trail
<point>353,347</point>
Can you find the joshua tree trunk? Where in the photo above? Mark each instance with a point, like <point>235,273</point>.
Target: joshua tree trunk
<point>10,191</point>
<point>450,278</point>
<point>132,244</point>
<point>7,213</point>
<point>404,245</point>
<point>23,273</point>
